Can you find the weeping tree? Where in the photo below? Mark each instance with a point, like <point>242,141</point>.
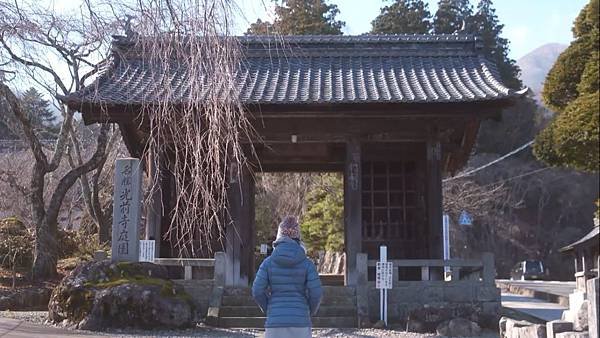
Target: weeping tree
<point>196,136</point>
<point>203,133</point>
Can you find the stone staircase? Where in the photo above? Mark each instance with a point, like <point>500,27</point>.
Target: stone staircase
<point>338,309</point>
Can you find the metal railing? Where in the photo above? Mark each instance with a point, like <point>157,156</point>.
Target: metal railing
<point>217,263</point>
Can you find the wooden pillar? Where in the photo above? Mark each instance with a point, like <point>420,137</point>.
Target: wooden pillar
<point>247,224</point>
<point>239,246</point>
<point>154,210</point>
<point>352,209</point>
<point>167,187</point>
<point>434,198</point>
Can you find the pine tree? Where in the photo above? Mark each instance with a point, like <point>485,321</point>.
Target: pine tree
<point>37,110</point>
<point>261,28</point>
<point>485,24</point>
<point>572,90</point>
<point>452,16</point>
<point>403,17</point>
<point>301,17</point>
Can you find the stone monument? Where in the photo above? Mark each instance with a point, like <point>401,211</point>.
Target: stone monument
<point>126,210</point>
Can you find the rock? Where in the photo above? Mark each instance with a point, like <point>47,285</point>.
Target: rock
<point>364,322</point>
<point>415,325</point>
<point>532,331</point>
<point>432,316</point>
<point>380,324</point>
<point>580,322</point>
<point>513,326</point>
<point>458,327</point>
<point>502,327</point>
<point>572,335</point>
<point>5,303</point>
<point>102,294</point>
<point>557,326</point>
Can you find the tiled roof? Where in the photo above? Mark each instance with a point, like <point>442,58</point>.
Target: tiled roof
<point>315,70</point>
<point>590,238</point>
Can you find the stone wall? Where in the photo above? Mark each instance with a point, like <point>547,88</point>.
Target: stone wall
<point>431,302</point>
<point>29,299</point>
<point>200,291</point>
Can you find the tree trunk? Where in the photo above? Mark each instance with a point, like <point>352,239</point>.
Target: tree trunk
<point>46,251</point>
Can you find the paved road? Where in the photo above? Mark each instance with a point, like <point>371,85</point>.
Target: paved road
<point>540,309</point>
<point>555,288</point>
<point>14,328</point>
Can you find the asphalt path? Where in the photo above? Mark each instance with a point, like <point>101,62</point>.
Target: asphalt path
<point>555,288</point>
<point>540,309</point>
<point>14,328</point>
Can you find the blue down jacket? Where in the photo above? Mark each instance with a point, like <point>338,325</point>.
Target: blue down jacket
<point>287,286</point>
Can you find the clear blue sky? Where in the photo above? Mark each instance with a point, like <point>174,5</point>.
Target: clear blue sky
<point>527,23</point>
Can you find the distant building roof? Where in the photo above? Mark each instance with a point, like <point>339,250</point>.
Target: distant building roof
<point>588,240</point>
<point>317,70</point>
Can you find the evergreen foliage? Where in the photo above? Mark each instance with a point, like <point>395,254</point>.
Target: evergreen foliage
<point>403,17</point>
<point>301,17</point>
<point>571,88</point>
<point>323,223</point>
<point>261,28</point>
<point>452,16</point>
<point>413,17</point>
<point>485,24</point>
<point>37,110</point>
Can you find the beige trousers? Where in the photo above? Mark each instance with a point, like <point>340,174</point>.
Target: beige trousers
<point>288,332</point>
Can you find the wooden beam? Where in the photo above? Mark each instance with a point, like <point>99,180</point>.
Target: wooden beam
<point>352,209</point>
<point>239,247</point>
<point>434,198</point>
<point>154,211</point>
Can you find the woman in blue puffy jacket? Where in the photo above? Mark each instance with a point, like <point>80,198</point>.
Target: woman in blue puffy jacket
<point>287,286</point>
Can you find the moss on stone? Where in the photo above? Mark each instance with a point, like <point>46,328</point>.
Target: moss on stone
<point>128,273</point>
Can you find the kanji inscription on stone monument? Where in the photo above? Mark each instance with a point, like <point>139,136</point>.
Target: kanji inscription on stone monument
<point>126,210</point>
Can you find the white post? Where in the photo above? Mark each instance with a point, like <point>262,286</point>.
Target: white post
<point>383,291</point>
<point>446,236</point>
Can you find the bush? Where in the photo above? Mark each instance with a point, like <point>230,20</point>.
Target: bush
<point>16,245</point>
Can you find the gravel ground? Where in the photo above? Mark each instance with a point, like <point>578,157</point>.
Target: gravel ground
<point>39,317</point>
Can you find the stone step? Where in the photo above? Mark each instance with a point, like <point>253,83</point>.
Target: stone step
<point>336,311</point>
<point>259,322</point>
<point>232,291</point>
<point>327,290</point>
<point>341,291</point>
<point>254,311</point>
<point>338,300</point>
<point>331,279</point>
<point>231,300</point>
<point>328,300</point>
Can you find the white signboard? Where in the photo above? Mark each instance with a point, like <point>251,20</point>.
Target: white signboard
<point>263,249</point>
<point>384,275</point>
<point>126,210</point>
<point>147,251</point>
